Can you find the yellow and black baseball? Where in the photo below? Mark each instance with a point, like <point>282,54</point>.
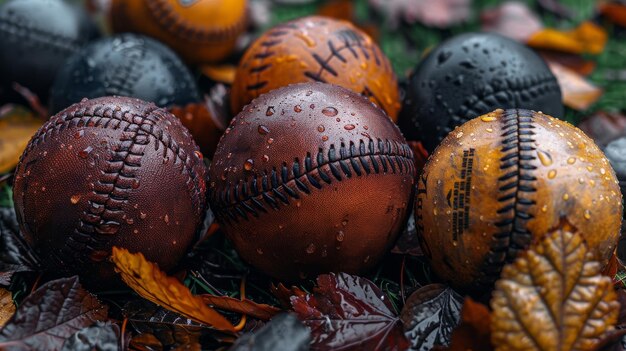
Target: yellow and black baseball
<point>504,179</point>
<point>318,49</point>
<point>200,31</point>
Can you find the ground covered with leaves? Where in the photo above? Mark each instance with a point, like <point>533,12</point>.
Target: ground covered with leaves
<point>216,301</point>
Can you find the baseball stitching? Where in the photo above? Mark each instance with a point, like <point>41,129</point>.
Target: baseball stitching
<point>516,185</point>
<point>276,186</point>
<point>43,38</point>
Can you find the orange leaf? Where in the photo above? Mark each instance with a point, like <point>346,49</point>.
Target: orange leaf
<point>7,307</point>
<point>284,295</point>
<point>251,308</point>
<point>586,38</point>
<point>474,330</point>
<point>220,73</point>
<point>17,126</point>
<point>615,12</point>
<point>578,93</point>
<point>150,283</point>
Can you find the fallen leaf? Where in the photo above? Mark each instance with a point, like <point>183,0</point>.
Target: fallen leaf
<point>284,332</point>
<point>347,312</point>
<point>512,19</point>
<point>205,128</point>
<point>149,282</point>
<point>247,307</point>
<point>149,342</point>
<point>474,330</point>
<point>430,315</point>
<point>17,126</point>
<point>15,254</point>
<point>7,307</point>
<point>604,127</point>
<point>553,297</point>
<point>50,315</point>
<point>614,12</point>
<point>611,268</point>
<point>284,295</point>
<point>102,336</point>
<point>576,63</point>
<point>578,93</point>
<point>587,38</point>
<point>419,154</point>
<point>440,13</point>
<point>339,9</point>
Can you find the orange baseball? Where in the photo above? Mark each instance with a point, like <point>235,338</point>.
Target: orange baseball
<point>200,31</point>
<point>316,49</point>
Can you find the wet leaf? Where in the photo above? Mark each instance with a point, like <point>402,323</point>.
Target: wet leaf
<point>440,13</point>
<point>284,295</point>
<point>15,254</point>
<point>245,306</point>
<point>50,315</point>
<point>152,284</point>
<point>512,19</point>
<point>604,127</point>
<point>578,93</point>
<point>169,329</point>
<point>17,126</point>
<point>284,332</point>
<point>614,12</point>
<point>347,312</point>
<point>587,38</point>
<point>474,330</point>
<point>100,337</point>
<point>430,315</point>
<point>7,307</point>
<point>553,297</point>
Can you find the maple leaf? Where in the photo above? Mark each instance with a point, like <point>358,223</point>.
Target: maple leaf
<point>17,126</point>
<point>553,297</point>
<point>149,282</point>
<point>474,330</point>
<point>347,312</point>
<point>578,93</point>
<point>284,332</point>
<point>7,307</point>
<point>50,315</point>
<point>429,316</point>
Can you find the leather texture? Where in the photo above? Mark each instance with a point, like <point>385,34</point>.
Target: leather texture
<point>319,49</point>
<point>201,31</point>
<point>311,178</point>
<point>504,179</point>
<point>106,172</point>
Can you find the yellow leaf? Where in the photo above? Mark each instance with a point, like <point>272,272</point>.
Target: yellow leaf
<point>553,297</point>
<point>150,283</point>
<point>220,73</point>
<point>586,38</point>
<point>7,307</point>
<point>17,126</point>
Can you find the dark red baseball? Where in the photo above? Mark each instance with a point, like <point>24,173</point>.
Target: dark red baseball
<point>311,178</point>
<point>111,171</point>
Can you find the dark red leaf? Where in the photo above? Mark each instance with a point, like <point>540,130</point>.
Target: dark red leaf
<point>430,315</point>
<point>347,312</point>
<point>604,127</point>
<point>284,295</point>
<point>15,254</point>
<point>474,330</point>
<point>284,332</point>
<point>50,315</point>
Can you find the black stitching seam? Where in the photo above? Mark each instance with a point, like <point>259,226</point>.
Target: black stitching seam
<point>498,92</point>
<point>267,45</point>
<point>274,187</point>
<point>165,14</point>
<point>10,27</point>
<point>123,77</point>
<point>116,182</point>
<point>517,184</point>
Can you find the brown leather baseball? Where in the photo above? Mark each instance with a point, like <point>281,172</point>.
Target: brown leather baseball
<point>199,31</point>
<point>504,179</point>
<point>319,49</point>
<point>111,171</point>
<point>311,178</point>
